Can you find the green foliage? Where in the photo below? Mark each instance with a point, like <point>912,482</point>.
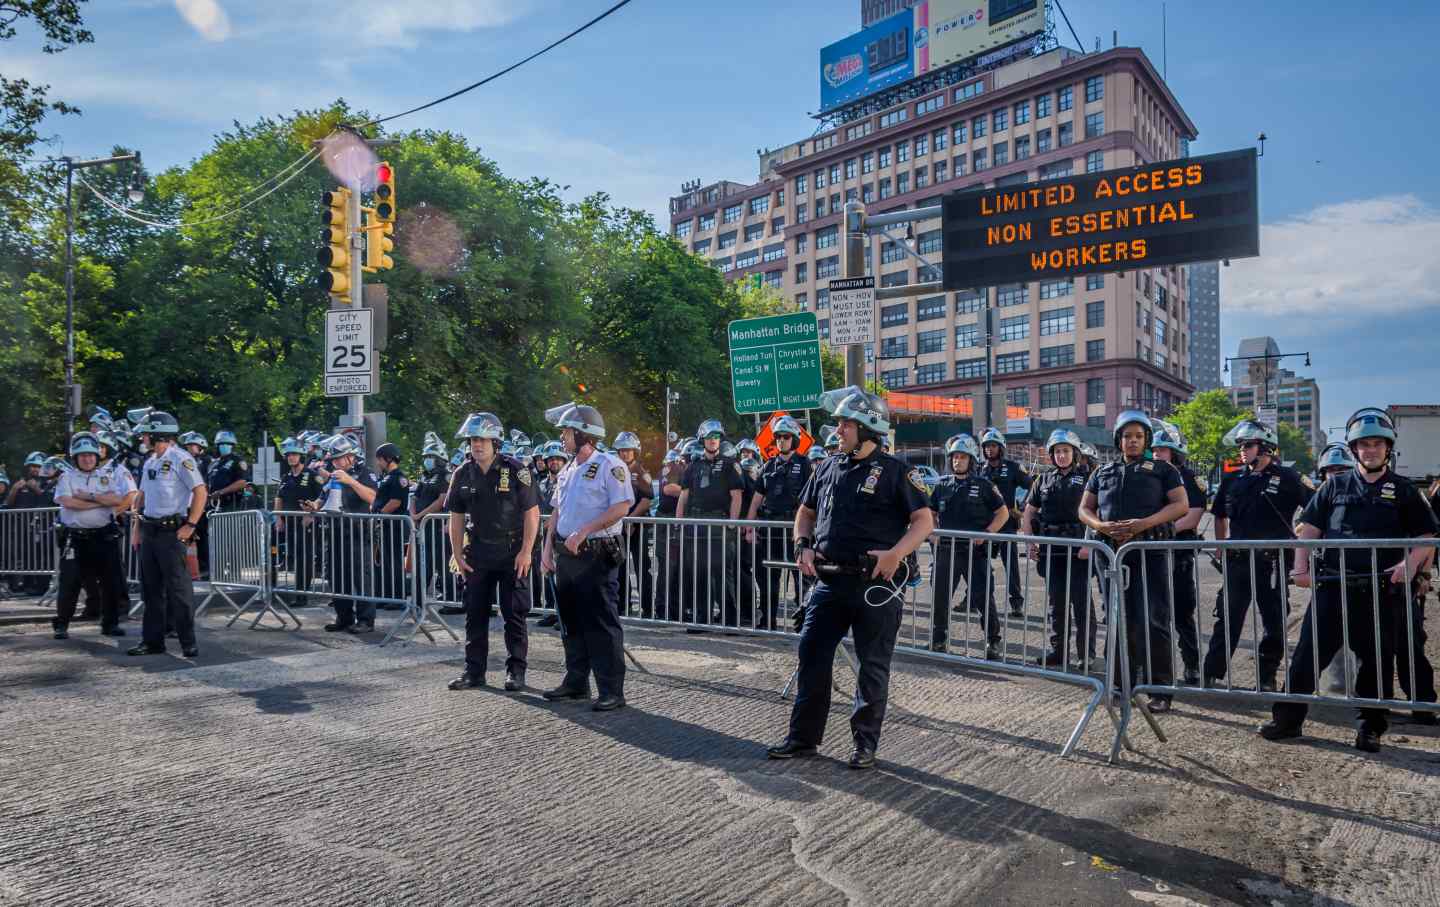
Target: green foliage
<point>1297,447</point>
<point>1204,421</point>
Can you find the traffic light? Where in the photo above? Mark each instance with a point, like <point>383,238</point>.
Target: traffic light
<point>335,253</point>
<point>381,228</point>
<point>378,245</point>
<point>385,204</point>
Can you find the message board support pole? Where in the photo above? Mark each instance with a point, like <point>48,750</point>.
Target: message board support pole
<point>853,263</point>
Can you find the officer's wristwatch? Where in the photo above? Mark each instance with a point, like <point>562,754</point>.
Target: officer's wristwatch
<point>803,542</point>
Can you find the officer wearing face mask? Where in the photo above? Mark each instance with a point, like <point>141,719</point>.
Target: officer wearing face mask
<point>777,498</point>
<point>427,499</point>
<point>965,501</point>
<point>228,475</point>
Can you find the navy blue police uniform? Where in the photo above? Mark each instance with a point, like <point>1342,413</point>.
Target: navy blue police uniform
<point>667,544</point>
<point>392,535</point>
<point>710,550</point>
<point>1186,631</point>
<point>434,568</point>
<point>1259,505</point>
<point>964,504</point>
<point>296,490</point>
<point>782,480</point>
<point>494,503</point>
<point>638,539</point>
<point>227,470</point>
<point>349,551</point>
<point>1056,498</point>
<point>1008,476</point>
<point>861,505</point>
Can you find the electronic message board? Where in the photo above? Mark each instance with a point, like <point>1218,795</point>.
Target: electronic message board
<point>1193,209</point>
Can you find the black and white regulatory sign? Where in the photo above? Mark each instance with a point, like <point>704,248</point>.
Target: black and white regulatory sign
<point>349,352</point>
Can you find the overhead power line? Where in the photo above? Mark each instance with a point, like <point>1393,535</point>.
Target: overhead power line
<point>511,68</point>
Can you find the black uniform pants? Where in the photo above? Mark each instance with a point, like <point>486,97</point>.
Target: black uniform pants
<point>300,543</point>
<point>1009,554</point>
<point>957,559</point>
<point>637,539</point>
<point>119,571</point>
<point>349,550</point>
<point>667,562</point>
<point>1230,623</point>
<point>165,581</point>
<point>482,586</point>
<point>777,544</point>
<point>1324,629</point>
<point>1186,632</point>
<point>836,607</point>
<point>89,560</point>
<point>390,539</point>
<point>714,575</point>
<point>1067,594</point>
<point>1408,650</point>
<point>1147,617</point>
<point>202,544</point>
<point>587,593</point>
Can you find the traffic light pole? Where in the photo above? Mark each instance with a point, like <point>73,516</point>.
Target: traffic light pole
<point>355,403</point>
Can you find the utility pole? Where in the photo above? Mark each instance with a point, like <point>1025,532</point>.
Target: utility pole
<point>979,425</point>
<point>853,264</point>
<point>355,403</point>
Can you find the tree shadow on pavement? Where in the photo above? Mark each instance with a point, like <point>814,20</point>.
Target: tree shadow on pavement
<point>287,699</point>
<point>959,811</point>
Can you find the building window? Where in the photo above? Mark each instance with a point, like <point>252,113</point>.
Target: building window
<point>683,228</point>
<point>1056,356</point>
<point>800,184</point>
<point>942,171</point>
<point>967,336</point>
<point>834,174</point>
<point>891,252</point>
<point>828,237</point>
<point>930,374</point>
<point>732,213</point>
<point>894,347</point>
<point>1022,147</point>
<point>1055,171</point>
<point>851,195</point>
<point>969,301</point>
<point>867,162</point>
<point>1056,288</point>
<point>1010,363</point>
<point>981,160</point>
<point>754,232</point>
<point>959,161</point>
<point>895,378</point>
<point>826,141</point>
<point>824,326</point>
<point>1017,396</point>
<point>802,301</point>
<point>1095,125</point>
<point>1022,112</point>
<point>827,267</point>
<point>1095,281</point>
<point>898,279</point>
<point>820,179</point>
<point>727,240</point>
<point>859,130</point>
<point>978,126</point>
<point>1094,161</point>
<point>802,273</point>
<point>822,299</point>
<point>930,274</point>
<point>1095,421</point>
<point>1057,321</point>
<point>1016,328</point>
<point>1159,331</point>
<point>885,156</point>
<point>702,246</point>
<point>930,242</point>
<point>776,225</point>
<point>929,105</point>
<point>707,222</point>
<point>850,169</point>
<point>892,315</point>
<point>922,145</point>
<point>957,133</point>
<point>774,279</point>
<point>1094,350</point>
<point>930,309</point>
<point>1095,314</point>
<point>1002,153</point>
<point>773,252</point>
<point>902,183</point>
<point>802,243</point>
<point>902,152</point>
<point>867,193</point>
<point>802,214</point>
<point>1057,395</point>
<point>746,259</point>
<point>1012,294</point>
<point>1094,88</point>
<point>1066,99</point>
<point>885,190</point>
<point>725,265</point>
<point>1042,106</point>
<point>820,210</point>
<point>1000,120</point>
<point>922,178</point>
<point>1067,134</point>
<point>894,117</point>
<point>1095,391</point>
<point>966,92</point>
<point>1042,141</point>
<point>969,368</point>
<point>930,342</point>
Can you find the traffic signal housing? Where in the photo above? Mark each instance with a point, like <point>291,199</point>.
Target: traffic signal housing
<point>385,204</point>
<point>334,254</point>
<point>378,245</point>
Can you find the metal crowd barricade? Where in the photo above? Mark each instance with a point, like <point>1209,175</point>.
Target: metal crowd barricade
<point>27,546</point>
<point>239,565</point>
<point>1347,583</point>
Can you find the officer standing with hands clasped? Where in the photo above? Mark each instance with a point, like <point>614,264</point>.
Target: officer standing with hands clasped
<point>965,502</point>
<point>1369,502</point>
<point>868,513</point>
<point>87,496</point>
<point>584,549</point>
<point>172,498</point>
<point>777,498</point>
<point>1053,510</point>
<point>392,493</point>
<point>1139,499</point>
<point>495,494</point>
<point>712,489</point>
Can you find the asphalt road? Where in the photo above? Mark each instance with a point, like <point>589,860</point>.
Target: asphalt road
<point>306,768</point>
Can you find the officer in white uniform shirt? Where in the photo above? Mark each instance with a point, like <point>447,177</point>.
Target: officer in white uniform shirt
<point>87,496</point>
<point>172,499</point>
<point>585,550</point>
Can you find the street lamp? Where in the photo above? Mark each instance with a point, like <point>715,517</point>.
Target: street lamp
<point>136,194</point>
<point>1265,381</point>
<point>671,398</point>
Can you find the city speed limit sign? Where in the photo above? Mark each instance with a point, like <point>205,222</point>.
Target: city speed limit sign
<point>349,352</point>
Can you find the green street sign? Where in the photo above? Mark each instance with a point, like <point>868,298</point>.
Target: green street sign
<point>775,363</point>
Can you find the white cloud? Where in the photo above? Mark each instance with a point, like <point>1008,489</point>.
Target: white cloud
<point>387,23</point>
<point>1375,256</point>
<point>207,17</point>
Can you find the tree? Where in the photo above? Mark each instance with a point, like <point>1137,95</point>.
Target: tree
<point>1295,448</point>
<point>1203,421</point>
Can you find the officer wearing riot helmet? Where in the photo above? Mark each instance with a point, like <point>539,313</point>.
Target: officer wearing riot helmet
<point>298,487</point>
<point>392,493</point>
<point>1370,501</point>
<point>1169,446</point>
<point>713,488</point>
<point>349,489</point>
<point>428,498</point>
<point>1053,510</point>
<point>585,551</point>
<point>553,458</point>
<point>1334,460</point>
<point>861,517</point>
<point>29,493</point>
<point>1258,502</point>
<point>638,538</point>
<point>1008,476</point>
<point>228,475</point>
<point>87,497</point>
<point>1139,499</point>
<point>172,498</point>
<point>494,496</point>
<point>964,501</point>
<point>667,536</point>
<point>781,480</point>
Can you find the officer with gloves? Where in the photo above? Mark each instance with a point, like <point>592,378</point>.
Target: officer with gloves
<point>493,495</point>
<point>861,517</point>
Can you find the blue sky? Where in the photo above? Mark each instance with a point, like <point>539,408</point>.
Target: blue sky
<point>665,91</point>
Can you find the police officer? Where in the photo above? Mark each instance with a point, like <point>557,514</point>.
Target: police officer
<point>349,489</point>
<point>667,536</point>
<point>868,513</point>
<point>1053,510</point>
<point>638,537</point>
<point>495,495</point>
<point>1169,446</point>
<point>299,488</point>
<point>119,477</point>
<point>1370,501</point>
<point>26,494</point>
<point>1139,499</point>
<point>427,497</point>
<point>965,501</point>
<point>1008,476</point>
<point>392,494</point>
<point>1258,502</point>
<point>712,489</point>
<point>777,498</point>
<point>584,550</point>
<point>553,459</point>
<point>228,475</point>
<point>1334,460</point>
<point>88,496</point>
<point>172,498</point>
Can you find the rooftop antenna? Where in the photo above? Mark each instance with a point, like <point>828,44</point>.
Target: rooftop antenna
<point>1164,45</point>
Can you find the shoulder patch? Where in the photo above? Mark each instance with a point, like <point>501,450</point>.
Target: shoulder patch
<point>618,472</point>
<point>188,464</point>
<point>524,476</point>
<point>917,480</point>
<point>242,464</point>
<point>1306,481</point>
<point>404,482</point>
